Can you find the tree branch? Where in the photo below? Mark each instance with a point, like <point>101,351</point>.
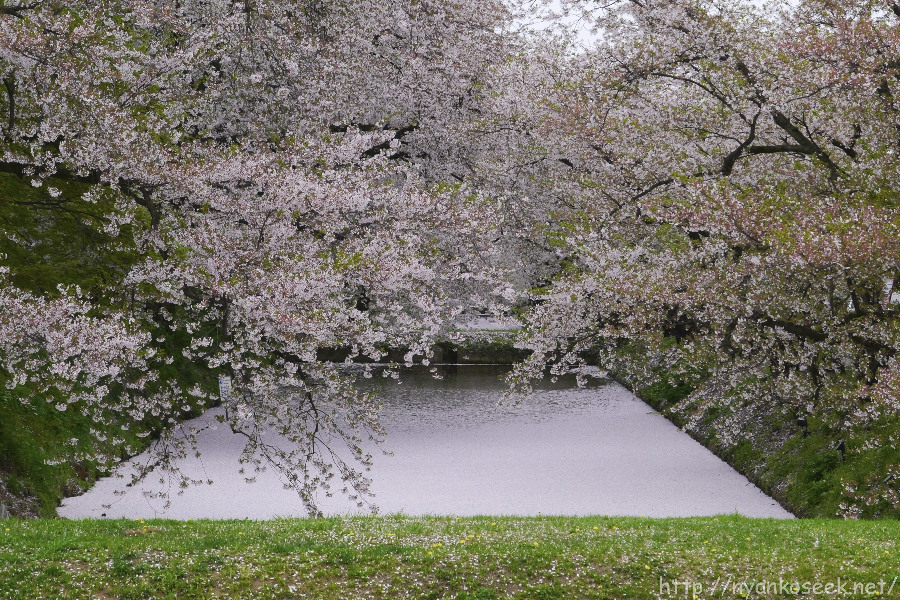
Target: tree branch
<point>10,85</point>
<point>779,148</point>
<point>731,159</point>
<point>797,329</point>
<point>650,189</point>
<point>810,146</point>
<point>851,149</point>
<point>21,170</point>
<point>15,10</point>
<point>386,145</point>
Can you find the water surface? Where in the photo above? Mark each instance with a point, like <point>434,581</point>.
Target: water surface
<point>563,450</point>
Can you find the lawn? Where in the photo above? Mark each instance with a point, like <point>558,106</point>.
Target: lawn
<point>445,557</point>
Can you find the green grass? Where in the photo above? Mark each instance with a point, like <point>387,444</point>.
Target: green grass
<point>443,557</point>
<point>33,433</point>
<point>802,469</point>
<point>805,471</point>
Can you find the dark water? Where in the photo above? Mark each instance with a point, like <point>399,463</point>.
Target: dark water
<point>457,449</point>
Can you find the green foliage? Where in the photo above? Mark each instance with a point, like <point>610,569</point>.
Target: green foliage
<point>802,468</point>
<point>663,392</point>
<point>33,432</point>
<point>53,241</point>
<point>59,239</point>
<point>817,472</point>
<point>814,476</point>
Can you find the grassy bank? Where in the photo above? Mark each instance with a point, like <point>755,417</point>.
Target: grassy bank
<point>805,469</point>
<point>825,467</point>
<point>30,435</point>
<point>42,449</point>
<point>58,242</point>
<point>442,557</point>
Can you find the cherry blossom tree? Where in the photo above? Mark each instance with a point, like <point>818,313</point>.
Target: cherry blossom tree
<point>290,176</point>
<point>729,201</point>
<point>711,186</point>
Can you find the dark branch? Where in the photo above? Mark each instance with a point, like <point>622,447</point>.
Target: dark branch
<point>851,149</point>
<point>745,71</point>
<point>797,329</point>
<point>10,85</point>
<point>779,148</point>
<point>731,159</point>
<point>22,170</point>
<point>653,187</point>
<point>810,146</point>
<point>874,346</point>
<point>15,10</point>
<point>386,145</point>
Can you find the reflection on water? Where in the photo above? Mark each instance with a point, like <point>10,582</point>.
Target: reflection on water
<point>457,449</point>
<point>452,396</point>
